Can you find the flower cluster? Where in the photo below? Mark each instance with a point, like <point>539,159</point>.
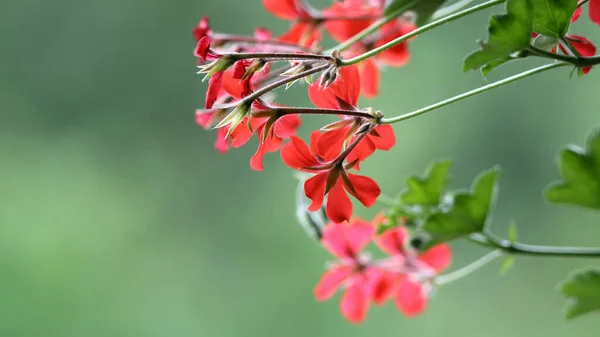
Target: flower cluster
<point>405,276</point>
<point>241,70</point>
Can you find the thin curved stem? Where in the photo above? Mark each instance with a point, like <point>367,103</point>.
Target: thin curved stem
<point>418,31</point>
<point>468,269</point>
<point>517,248</point>
<point>474,92</point>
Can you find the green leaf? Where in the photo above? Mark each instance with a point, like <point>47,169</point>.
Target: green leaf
<point>508,33</point>
<point>553,17</point>
<point>468,213</point>
<point>583,290</point>
<point>428,189</point>
<point>580,170</point>
<point>423,8</point>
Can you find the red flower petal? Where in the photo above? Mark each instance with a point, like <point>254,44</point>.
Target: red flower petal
<point>330,282</point>
<point>411,300</point>
<point>297,155</point>
<point>329,144</point>
<point>235,87</point>
<point>202,48</point>
<point>303,34</point>
<point>240,135</point>
<point>398,55</point>
<point>262,34</point>
<point>438,257</point>
<point>576,14</point>
<point>383,286</point>
<point>286,126</point>
<point>204,117</point>
<point>314,188</point>
<point>202,29</point>
<point>346,87</point>
<point>358,235</point>
<point>392,241</point>
<point>369,76</point>
<point>362,151</point>
<point>271,144</point>
<point>339,206</point>
<point>221,144</point>
<point>355,303</point>
<point>334,239</point>
<point>364,189</point>
<point>341,30</point>
<point>583,46</point>
<point>283,9</point>
<point>215,84</point>
<point>594,11</point>
<point>386,138</point>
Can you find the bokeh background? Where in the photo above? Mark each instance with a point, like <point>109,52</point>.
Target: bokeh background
<point>118,217</point>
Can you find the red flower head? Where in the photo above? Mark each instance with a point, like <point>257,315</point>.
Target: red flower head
<point>331,178</point>
<point>409,279</point>
<point>343,95</point>
<point>352,271</point>
<point>346,27</point>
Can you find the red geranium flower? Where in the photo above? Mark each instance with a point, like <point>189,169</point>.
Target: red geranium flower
<point>343,95</point>
<point>352,271</point>
<point>331,178</point>
<point>410,273</point>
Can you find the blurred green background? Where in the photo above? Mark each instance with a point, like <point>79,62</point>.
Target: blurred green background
<point>119,218</point>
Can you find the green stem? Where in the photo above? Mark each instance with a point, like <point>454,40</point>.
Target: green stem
<point>371,29</point>
<point>580,62</point>
<point>517,248</point>
<point>570,48</point>
<point>418,31</point>
<point>474,92</point>
<point>468,269</point>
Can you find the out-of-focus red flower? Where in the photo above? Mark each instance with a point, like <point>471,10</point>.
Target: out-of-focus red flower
<point>304,34</point>
<point>408,284</point>
<point>202,29</point>
<point>342,95</point>
<point>330,178</point>
<point>351,271</point>
<point>396,56</point>
<point>594,11</point>
<point>346,27</point>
